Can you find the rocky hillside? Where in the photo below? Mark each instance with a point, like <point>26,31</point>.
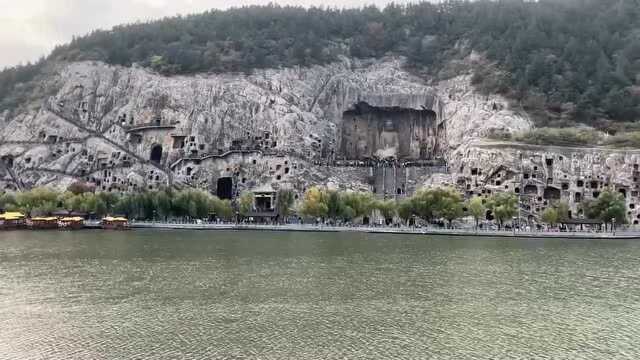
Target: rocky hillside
<point>113,118</point>
<point>360,117</point>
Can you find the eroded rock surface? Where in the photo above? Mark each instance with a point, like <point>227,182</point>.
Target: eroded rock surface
<point>367,125</point>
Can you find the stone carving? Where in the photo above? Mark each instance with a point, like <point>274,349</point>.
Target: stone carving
<point>362,125</point>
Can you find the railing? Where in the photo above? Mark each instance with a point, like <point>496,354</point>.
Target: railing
<point>205,225</point>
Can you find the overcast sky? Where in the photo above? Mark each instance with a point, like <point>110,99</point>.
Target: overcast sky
<point>31,28</point>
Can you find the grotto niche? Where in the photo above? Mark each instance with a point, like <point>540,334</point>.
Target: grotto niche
<point>156,153</point>
<point>370,132</point>
<point>224,190</point>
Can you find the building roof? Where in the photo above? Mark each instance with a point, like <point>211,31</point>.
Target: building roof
<point>12,216</point>
<point>72,219</point>
<point>266,188</point>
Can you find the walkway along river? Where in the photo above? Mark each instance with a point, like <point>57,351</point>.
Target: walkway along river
<point>387,230</point>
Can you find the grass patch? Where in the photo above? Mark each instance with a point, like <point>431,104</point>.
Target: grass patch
<point>572,137</point>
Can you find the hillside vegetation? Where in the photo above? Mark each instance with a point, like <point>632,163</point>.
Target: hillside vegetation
<point>564,61</point>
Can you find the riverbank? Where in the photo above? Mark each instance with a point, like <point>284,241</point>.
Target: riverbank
<point>385,230</point>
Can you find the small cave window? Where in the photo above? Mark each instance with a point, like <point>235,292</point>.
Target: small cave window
<point>623,192</point>
<point>565,186</point>
<point>594,184</point>
<point>552,193</point>
<point>286,170</point>
<point>596,194</point>
<point>474,172</point>
<point>156,154</point>
<point>224,190</point>
<point>577,197</point>
<point>549,162</point>
<point>580,183</point>
<point>8,161</point>
<point>517,190</point>
<point>526,176</point>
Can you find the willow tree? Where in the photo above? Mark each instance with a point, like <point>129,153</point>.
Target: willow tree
<point>284,203</point>
<point>504,206</point>
<point>246,203</point>
<point>476,209</point>
<point>314,203</point>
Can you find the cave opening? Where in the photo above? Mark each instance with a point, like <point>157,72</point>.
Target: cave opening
<point>530,189</point>
<point>7,160</point>
<point>623,192</point>
<point>156,153</point>
<point>373,132</point>
<point>551,193</point>
<point>224,189</point>
<point>264,203</point>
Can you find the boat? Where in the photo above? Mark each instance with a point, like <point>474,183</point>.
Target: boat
<point>12,220</point>
<point>115,223</point>
<point>42,223</point>
<point>71,223</point>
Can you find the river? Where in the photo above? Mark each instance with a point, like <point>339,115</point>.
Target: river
<point>151,294</point>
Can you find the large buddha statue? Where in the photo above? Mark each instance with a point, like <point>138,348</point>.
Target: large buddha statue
<point>389,141</point>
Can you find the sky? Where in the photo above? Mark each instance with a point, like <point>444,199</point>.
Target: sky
<point>32,28</point>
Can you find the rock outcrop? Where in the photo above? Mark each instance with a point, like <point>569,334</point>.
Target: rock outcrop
<point>127,129</point>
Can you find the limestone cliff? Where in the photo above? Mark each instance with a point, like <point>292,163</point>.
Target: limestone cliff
<point>351,124</point>
<point>127,128</point>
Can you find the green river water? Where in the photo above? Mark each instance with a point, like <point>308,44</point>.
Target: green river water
<point>279,295</point>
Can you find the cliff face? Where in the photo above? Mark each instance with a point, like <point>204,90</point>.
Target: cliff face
<point>127,128</point>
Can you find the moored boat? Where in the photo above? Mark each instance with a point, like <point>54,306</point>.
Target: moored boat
<point>71,223</point>
<point>12,220</point>
<point>42,223</point>
<point>115,223</point>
